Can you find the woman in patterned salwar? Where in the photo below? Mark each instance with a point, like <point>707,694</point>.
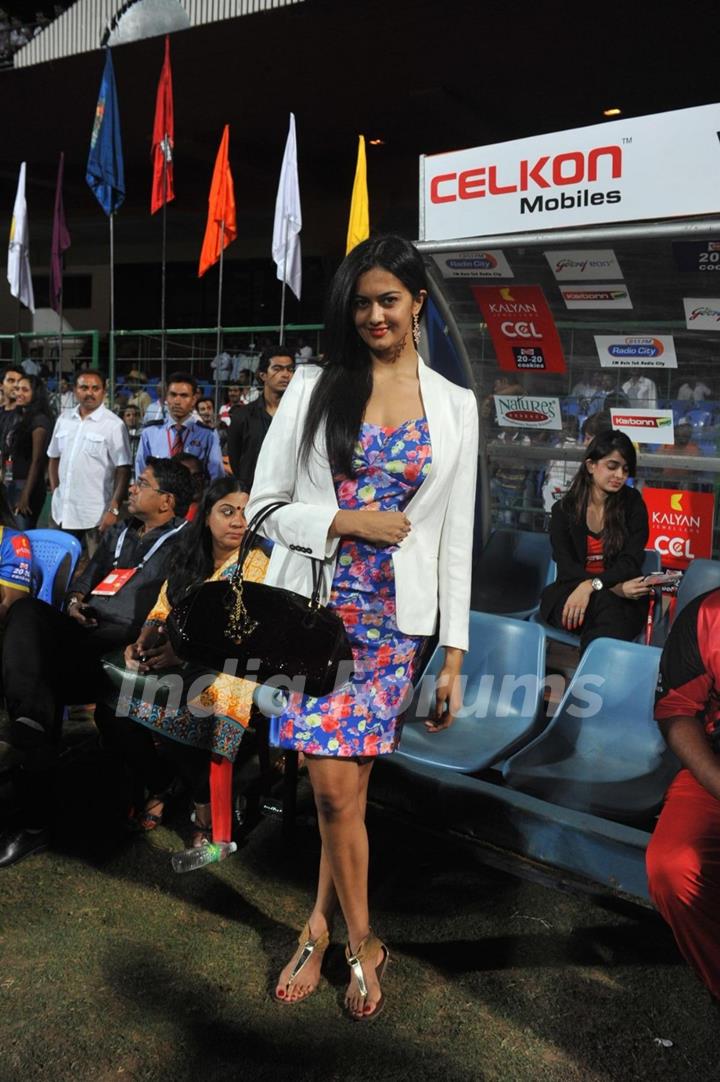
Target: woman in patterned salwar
<point>375,455</point>
<point>161,742</point>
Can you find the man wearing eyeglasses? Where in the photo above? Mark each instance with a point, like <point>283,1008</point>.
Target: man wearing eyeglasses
<point>52,658</point>
<point>249,424</point>
<point>89,464</point>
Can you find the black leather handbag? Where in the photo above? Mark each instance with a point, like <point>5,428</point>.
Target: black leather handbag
<point>268,631</point>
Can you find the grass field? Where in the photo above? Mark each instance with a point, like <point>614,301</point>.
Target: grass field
<point>113,967</point>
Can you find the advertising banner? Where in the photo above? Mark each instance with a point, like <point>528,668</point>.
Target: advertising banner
<point>702,313</point>
<point>527,411</point>
<point>576,264</point>
<point>521,327</point>
<point>600,296</point>
<point>636,350</point>
<point>644,426</point>
<point>487,264</point>
<point>665,165</point>
<point>681,525</point>
<point>697,255</point>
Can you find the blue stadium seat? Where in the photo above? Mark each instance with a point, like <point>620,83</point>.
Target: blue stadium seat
<point>55,556</point>
<point>701,576</point>
<point>602,752</point>
<point>510,573</point>
<point>651,563</point>
<point>505,671</point>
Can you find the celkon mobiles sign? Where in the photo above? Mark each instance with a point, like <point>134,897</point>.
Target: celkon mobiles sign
<point>659,166</point>
<point>644,426</point>
<point>636,350</point>
<point>487,264</point>
<point>527,411</point>
<point>599,296</point>
<point>576,264</point>
<point>681,525</point>
<point>521,327</point>
<point>702,313</point>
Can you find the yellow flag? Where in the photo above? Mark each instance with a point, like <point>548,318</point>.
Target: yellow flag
<point>359,224</point>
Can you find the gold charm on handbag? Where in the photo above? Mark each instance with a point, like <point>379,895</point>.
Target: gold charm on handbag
<point>240,623</point>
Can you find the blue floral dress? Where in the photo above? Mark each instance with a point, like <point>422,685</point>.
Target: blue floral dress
<point>360,718</point>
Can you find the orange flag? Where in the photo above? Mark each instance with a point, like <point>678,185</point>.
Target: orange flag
<point>221,221</point>
<point>163,138</point>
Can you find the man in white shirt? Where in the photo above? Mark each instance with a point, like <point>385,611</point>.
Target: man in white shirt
<point>641,391</point>
<point>89,464</point>
<point>694,391</point>
<point>63,401</point>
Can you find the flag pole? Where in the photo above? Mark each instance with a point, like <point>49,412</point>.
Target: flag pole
<point>219,316</point>
<point>111,354</point>
<point>284,286</point>
<point>60,336</point>
<point>163,279</point>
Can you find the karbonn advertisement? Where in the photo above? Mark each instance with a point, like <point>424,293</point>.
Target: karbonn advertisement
<point>645,426</point>
<point>665,165</point>
<point>681,525</point>
<point>521,327</point>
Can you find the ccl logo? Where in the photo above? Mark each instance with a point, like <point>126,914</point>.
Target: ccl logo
<point>519,330</point>
<point>678,547</point>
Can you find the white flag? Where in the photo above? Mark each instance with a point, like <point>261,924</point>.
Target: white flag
<point>288,218</point>
<point>18,266</point>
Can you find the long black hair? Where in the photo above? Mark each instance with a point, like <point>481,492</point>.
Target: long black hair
<point>575,501</point>
<point>345,384</point>
<point>38,406</point>
<point>192,559</point>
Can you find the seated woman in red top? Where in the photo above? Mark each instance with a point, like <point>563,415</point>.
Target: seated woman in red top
<point>599,531</point>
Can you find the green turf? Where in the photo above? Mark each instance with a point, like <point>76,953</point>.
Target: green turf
<point>113,967</point>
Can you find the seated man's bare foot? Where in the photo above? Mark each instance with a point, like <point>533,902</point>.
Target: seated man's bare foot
<point>301,976</point>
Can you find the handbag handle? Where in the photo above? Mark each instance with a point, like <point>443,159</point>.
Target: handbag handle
<point>249,540</point>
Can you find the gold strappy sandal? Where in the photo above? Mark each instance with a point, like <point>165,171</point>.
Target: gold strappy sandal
<point>309,947</point>
<point>367,948</point>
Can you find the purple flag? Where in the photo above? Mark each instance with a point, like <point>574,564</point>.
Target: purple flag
<point>60,242</point>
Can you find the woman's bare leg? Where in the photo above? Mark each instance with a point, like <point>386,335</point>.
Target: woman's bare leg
<point>340,788</point>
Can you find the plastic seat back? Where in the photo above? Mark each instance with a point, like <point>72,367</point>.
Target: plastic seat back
<point>701,576</point>
<point>510,573</point>
<point>504,678</point>
<point>602,752</point>
<point>55,556</point>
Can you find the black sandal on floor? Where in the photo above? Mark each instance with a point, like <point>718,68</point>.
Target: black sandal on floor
<point>366,949</point>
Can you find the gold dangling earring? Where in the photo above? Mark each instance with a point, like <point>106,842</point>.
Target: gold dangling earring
<point>416,329</point>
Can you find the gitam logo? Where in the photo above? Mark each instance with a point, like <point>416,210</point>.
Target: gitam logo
<point>637,346</point>
<point>481,261</point>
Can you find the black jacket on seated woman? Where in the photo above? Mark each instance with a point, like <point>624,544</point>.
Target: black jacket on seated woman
<point>599,531</point>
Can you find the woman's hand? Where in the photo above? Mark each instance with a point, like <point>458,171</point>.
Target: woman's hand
<point>574,608</point>
<point>448,692</point>
<point>632,589</point>
<point>151,652</point>
<point>377,527</point>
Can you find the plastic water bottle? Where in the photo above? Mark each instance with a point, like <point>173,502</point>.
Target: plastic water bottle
<point>270,701</point>
<point>190,859</point>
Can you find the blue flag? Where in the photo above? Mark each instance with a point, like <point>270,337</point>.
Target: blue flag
<point>105,170</point>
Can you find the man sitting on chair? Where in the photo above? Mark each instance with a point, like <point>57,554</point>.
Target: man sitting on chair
<point>51,658</point>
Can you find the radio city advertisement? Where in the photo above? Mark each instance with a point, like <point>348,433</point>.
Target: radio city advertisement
<point>661,166</point>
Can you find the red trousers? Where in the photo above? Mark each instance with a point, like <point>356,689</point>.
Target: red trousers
<point>683,867</point>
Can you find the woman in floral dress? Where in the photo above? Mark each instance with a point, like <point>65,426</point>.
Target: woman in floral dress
<point>376,456</point>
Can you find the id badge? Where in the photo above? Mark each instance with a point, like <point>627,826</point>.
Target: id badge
<point>114,581</point>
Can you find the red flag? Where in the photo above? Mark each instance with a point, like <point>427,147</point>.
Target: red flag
<point>221,208</point>
<point>60,241</point>
<point>163,137</point>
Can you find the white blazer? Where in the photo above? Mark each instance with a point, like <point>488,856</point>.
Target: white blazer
<point>433,564</point>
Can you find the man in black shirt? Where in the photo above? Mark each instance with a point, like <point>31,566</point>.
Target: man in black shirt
<point>8,413</point>
<point>51,658</point>
<point>250,423</point>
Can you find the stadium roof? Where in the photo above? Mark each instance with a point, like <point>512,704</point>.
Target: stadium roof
<point>89,24</point>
